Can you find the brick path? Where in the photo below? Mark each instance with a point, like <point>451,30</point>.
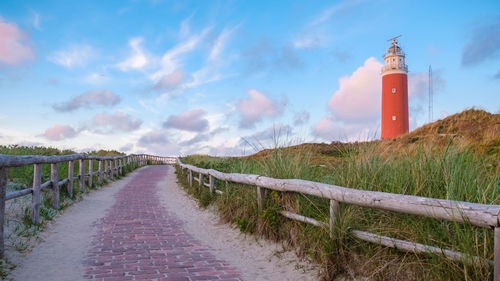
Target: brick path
<point>139,240</point>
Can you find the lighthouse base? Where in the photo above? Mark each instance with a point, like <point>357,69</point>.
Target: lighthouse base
<point>395,120</point>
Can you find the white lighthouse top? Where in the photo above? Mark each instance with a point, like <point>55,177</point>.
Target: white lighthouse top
<point>394,59</point>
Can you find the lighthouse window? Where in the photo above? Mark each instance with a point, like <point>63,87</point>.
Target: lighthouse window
<point>393,117</point>
<point>393,90</point>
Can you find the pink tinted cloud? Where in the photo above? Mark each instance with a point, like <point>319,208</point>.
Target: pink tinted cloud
<point>117,122</point>
<point>257,107</point>
<point>14,44</point>
<point>328,128</point>
<point>88,100</point>
<point>191,120</point>
<point>59,132</point>
<point>359,95</point>
<point>171,81</point>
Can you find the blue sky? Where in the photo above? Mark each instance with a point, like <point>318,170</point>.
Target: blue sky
<point>182,77</point>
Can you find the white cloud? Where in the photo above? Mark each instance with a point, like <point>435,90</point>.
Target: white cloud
<point>316,33</point>
<point>211,71</point>
<point>171,76</point>
<point>158,142</point>
<point>73,56</point>
<point>138,59</point>
<point>359,95</point>
<point>257,107</point>
<point>170,61</point>
<point>221,42</point>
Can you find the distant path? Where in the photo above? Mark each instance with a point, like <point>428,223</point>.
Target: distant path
<point>145,227</point>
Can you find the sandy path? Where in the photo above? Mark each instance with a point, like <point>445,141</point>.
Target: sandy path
<point>66,241</point>
<point>139,239</point>
<point>258,259</point>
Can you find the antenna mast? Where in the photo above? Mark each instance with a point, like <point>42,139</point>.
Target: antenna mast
<point>431,92</point>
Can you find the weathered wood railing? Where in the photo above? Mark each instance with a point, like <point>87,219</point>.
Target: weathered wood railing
<point>482,215</point>
<point>108,168</point>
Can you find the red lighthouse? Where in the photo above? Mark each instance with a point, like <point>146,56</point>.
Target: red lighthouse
<point>394,92</point>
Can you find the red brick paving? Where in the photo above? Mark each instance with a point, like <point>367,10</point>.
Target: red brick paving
<point>138,239</point>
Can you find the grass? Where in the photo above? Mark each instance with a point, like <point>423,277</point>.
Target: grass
<point>451,171</point>
<point>18,209</point>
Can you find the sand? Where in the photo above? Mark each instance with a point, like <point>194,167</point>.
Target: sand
<point>64,243</point>
<point>60,251</point>
<point>259,259</point>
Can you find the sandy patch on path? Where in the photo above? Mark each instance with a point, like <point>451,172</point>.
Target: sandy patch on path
<point>65,241</point>
<point>257,259</point>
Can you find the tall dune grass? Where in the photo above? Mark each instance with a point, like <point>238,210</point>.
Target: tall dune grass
<point>437,172</point>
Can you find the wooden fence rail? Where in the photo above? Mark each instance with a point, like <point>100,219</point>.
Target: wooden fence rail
<point>108,168</point>
<point>487,216</point>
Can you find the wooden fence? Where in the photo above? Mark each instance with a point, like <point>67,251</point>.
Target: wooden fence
<point>108,168</point>
<point>482,215</point>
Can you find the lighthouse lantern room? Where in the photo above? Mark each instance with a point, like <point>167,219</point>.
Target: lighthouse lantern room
<point>394,92</point>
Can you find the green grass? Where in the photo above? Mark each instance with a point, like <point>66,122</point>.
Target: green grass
<point>22,177</point>
<point>436,172</point>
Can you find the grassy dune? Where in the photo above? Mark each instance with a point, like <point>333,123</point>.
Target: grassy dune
<point>451,164</point>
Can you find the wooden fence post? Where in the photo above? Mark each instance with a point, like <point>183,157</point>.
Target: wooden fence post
<point>107,170</point>
<point>99,177</point>
<point>111,173</point>
<point>260,202</point>
<point>497,254</point>
<point>91,171</point>
<point>3,188</point>
<point>35,198</point>
<point>190,178</point>
<point>200,181</point>
<point>69,187</point>
<point>82,175</point>
<point>104,169</point>
<point>54,178</point>
<point>211,183</point>
<point>335,213</point>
